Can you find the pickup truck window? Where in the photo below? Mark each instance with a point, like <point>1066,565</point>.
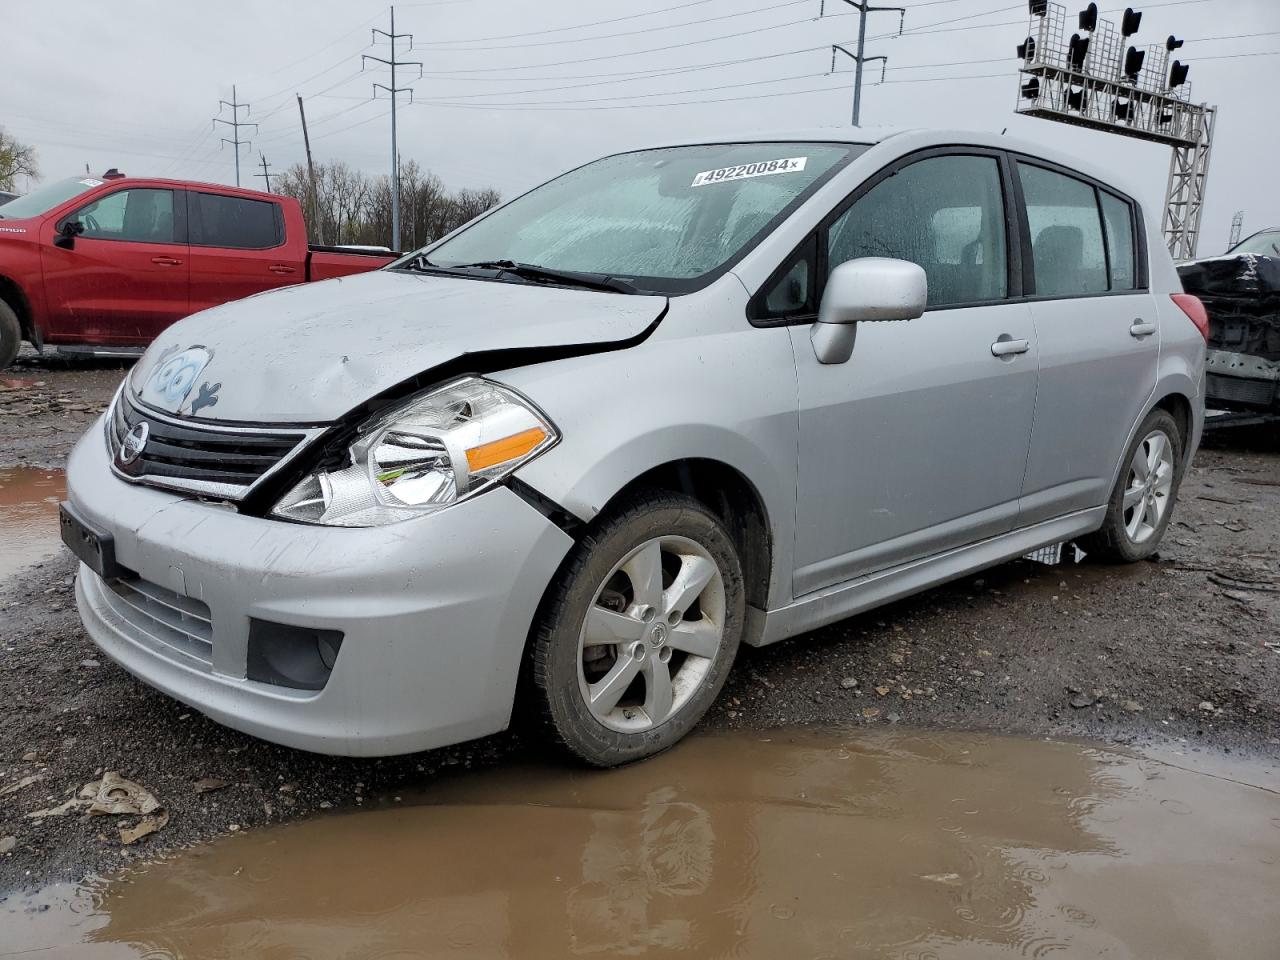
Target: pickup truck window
<point>139,215</point>
<point>668,220</point>
<point>44,199</point>
<point>235,222</point>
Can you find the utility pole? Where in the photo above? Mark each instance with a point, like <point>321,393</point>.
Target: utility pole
<point>235,123</point>
<point>392,90</point>
<point>863,7</point>
<point>265,174</point>
<point>311,174</point>
<point>1237,227</point>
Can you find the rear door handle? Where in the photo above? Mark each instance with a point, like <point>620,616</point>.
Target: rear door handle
<point>166,262</point>
<point>282,268</point>
<point>1141,328</point>
<point>1009,347</point>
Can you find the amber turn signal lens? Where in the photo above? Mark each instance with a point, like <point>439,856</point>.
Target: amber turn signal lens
<point>505,450</point>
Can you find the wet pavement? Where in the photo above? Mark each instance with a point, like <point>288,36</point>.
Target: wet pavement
<point>28,517</point>
<point>797,844</point>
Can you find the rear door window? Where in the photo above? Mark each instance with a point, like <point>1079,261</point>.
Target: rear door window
<point>1066,233</point>
<point>235,222</point>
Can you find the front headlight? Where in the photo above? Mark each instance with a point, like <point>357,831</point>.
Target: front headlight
<point>424,455</point>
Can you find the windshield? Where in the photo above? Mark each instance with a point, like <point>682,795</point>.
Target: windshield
<point>1265,244</point>
<point>668,220</point>
<point>46,198</point>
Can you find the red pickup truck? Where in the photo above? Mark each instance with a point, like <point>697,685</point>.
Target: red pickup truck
<point>105,264</point>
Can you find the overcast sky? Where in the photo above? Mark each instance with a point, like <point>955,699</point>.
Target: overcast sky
<point>134,84</point>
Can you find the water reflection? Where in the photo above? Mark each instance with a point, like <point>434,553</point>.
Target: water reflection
<point>28,516</point>
<point>794,846</point>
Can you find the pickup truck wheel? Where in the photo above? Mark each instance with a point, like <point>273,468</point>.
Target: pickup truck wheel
<point>10,335</point>
<point>638,633</point>
<point>1141,504</point>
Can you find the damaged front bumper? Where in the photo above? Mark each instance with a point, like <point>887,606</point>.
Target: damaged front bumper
<point>421,624</point>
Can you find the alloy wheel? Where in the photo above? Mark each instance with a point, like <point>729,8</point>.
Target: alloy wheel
<point>1149,489</point>
<point>653,630</point>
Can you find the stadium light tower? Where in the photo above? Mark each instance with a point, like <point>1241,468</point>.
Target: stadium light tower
<point>1092,77</point>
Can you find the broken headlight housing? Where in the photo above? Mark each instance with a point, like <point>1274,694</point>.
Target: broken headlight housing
<point>438,448</point>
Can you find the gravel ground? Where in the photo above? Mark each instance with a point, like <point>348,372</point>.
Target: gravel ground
<point>1184,648</point>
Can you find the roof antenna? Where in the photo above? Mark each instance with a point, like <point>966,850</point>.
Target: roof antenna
<point>1004,131</point>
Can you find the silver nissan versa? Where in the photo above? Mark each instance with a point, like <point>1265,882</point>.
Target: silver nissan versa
<point>676,400</point>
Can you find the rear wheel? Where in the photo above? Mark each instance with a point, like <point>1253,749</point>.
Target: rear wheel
<point>639,631</point>
<point>1141,504</point>
<point>10,335</point>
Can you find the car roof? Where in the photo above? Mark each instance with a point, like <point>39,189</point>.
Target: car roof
<point>125,179</point>
<point>914,138</point>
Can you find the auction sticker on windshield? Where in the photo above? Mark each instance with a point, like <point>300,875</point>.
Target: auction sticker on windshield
<point>743,171</point>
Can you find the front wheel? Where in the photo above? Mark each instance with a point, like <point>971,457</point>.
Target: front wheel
<point>639,631</point>
<point>1141,504</point>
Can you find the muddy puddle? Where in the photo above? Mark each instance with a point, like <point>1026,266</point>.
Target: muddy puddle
<point>795,846</point>
<point>28,517</point>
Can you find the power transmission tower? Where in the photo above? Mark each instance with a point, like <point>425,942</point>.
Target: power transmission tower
<point>392,90</point>
<point>859,58</point>
<point>1237,227</point>
<point>235,123</point>
<point>266,173</point>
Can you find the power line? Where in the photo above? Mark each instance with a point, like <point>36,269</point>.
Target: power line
<point>625,53</point>
<point>573,106</point>
<point>350,126</point>
<point>916,31</point>
<point>576,26</point>
<point>627,76</point>
<point>632,33</point>
<point>319,50</point>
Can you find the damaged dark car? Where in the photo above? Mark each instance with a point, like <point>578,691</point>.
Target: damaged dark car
<point>1241,292</point>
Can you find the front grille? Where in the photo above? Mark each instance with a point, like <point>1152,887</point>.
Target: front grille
<point>198,457</point>
<point>167,618</point>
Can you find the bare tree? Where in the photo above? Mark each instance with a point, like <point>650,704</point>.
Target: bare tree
<point>472,203</point>
<point>16,159</point>
<point>352,208</point>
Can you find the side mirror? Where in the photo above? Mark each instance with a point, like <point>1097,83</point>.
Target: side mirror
<point>871,288</point>
<point>67,235</point>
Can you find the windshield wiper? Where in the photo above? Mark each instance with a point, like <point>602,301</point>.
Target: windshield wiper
<point>531,271</point>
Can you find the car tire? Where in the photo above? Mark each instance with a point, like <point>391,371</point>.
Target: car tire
<point>607,703</point>
<point>1141,504</point>
<point>10,335</point>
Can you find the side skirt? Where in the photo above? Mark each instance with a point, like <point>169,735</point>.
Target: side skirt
<point>826,606</point>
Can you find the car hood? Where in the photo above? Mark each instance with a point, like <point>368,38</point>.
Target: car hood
<point>309,354</point>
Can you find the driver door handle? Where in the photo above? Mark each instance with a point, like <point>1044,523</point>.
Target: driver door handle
<point>1007,348</point>
<point>281,268</point>
<point>1141,328</point>
<point>166,261</point>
